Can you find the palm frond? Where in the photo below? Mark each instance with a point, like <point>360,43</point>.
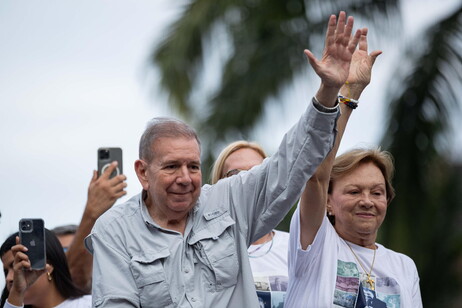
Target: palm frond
<point>420,219</point>
<point>272,25</point>
<point>179,55</point>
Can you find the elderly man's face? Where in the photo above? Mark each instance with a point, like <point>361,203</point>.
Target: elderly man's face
<point>173,178</point>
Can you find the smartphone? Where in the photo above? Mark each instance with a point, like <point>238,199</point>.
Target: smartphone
<point>106,156</point>
<point>32,235</point>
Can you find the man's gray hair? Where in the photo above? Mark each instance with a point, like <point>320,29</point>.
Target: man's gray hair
<point>163,127</point>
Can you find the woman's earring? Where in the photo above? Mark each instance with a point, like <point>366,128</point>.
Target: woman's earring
<point>49,276</point>
<point>329,212</point>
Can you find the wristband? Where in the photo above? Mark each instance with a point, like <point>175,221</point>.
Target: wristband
<point>352,103</point>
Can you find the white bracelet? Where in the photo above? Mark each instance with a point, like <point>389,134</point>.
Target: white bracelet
<point>323,108</point>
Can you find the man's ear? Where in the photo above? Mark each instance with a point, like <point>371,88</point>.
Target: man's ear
<point>141,169</point>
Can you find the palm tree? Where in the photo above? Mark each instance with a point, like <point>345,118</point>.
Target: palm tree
<point>258,44</point>
<point>424,219</point>
<point>261,53</point>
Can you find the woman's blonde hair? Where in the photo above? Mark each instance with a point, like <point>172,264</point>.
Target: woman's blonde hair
<point>217,171</point>
<point>350,160</point>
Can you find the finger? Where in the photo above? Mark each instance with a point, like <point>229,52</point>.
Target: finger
<point>94,176</point>
<point>363,40</point>
<point>348,30</point>
<point>119,187</point>
<point>312,59</point>
<point>374,55</point>
<point>116,180</point>
<point>330,34</point>
<point>109,170</point>
<point>340,24</point>
<point>18,248</point>
<point>121,193</point>
<point>20,265</point>
<point>119,178</point>
<point>20,256</point>
<point>354,41</point>
<point>21,260</point>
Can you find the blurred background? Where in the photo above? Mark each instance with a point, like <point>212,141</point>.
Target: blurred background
<point>75,76</point>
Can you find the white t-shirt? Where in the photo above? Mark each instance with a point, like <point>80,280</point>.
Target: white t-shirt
<point>81,302</point>
<point>327,274</point>
<point>269,269</point>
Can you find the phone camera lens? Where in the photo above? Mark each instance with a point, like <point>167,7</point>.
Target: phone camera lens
<point>104,154</point>
<point>26,225</point>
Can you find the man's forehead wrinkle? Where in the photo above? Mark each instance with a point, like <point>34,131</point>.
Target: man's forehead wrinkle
<point>180,160</point>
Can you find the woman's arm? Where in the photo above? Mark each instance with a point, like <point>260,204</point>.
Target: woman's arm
<point>314,197</point>
<point>24,276</point>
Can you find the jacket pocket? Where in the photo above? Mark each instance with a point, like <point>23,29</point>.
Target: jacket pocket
<point>149,275</point>
<point>215,247</point>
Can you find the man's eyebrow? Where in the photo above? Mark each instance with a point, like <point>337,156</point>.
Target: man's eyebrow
<point>171,161</point>
<point>360,185</point>
<point>180,161</point>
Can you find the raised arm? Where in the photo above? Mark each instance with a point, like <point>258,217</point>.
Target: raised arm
<point>23,276</point>
<point>103,192</point>
<point>314,198</point>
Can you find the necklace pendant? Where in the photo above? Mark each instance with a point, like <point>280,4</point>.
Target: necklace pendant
<point>370,282</point>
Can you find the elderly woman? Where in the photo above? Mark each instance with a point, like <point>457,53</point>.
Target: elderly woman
<point>334,260</point>
<point>51,287</point>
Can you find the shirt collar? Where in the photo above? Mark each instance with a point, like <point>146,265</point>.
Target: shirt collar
<point>149,222</point>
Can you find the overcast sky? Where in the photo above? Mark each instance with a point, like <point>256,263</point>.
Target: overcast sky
<point>73,78</point>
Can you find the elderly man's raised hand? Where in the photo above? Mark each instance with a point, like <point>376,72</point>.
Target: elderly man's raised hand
<point>334,66</point>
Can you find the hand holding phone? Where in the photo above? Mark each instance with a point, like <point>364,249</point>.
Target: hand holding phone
<point>32,235</point>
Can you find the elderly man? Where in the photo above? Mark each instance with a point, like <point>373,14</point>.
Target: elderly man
<point>178,244</point>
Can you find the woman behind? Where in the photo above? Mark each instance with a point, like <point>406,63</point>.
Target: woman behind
<point>268,254</point>
<point>51,287</point>
<point>336,262</point>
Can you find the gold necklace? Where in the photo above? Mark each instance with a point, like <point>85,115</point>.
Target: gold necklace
<point>368,280</point>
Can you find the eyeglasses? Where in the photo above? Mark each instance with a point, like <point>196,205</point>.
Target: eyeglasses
<point>232,172</point>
